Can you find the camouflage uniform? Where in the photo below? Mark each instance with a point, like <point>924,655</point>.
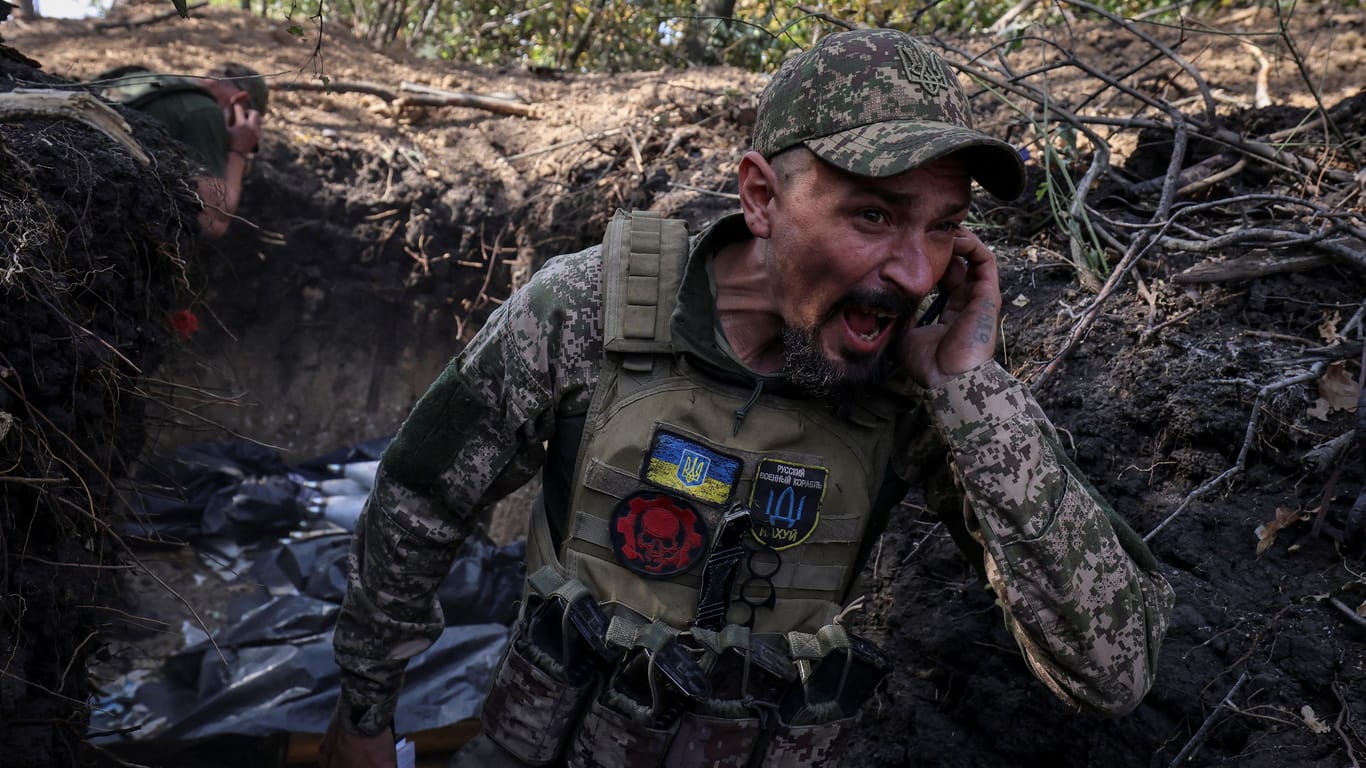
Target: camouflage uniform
<point>1088,615</point>
<point>1081,594</point>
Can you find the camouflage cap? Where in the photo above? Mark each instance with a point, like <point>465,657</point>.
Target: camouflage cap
<point>249,80</point>
<point>877,102</point>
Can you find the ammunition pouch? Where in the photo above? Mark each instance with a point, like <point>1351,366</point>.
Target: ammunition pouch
<point>633,718</point>
<point>548,672</point>
<point>839,672</point>
<point>619,692</point>
<point>609,736</point>
<point>530,711</point>
<point>704,740</point>
<point>748,674</point>
<point>803,745</point>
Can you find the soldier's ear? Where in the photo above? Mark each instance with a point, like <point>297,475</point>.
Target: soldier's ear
<point>758,187</point>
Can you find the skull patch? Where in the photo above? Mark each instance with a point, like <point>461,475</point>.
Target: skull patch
<point>657,536</point>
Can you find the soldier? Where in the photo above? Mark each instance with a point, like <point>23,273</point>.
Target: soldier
<point>218,117</point>
<point>723,424</point>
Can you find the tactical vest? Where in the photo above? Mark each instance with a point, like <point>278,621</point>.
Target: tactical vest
<point>668,450</point>
<point>135,87</point>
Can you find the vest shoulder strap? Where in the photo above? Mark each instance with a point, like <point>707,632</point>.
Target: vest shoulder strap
<point>642,263</point>
<point>135,87</point>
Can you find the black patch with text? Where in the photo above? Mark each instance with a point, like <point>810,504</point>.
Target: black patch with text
<point>786,502</point>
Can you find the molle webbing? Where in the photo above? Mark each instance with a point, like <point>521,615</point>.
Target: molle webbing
<point>643,255</point>
<point>646,390</point>
<point>808,648</point>
<point>731,636</point>
<point>627,633</point>
<point>547,582</point>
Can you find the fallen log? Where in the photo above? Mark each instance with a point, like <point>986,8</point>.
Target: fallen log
<point>338,86</point>
<point>414,94</point>
<point>1249,267</point>
<point>177,12</point>
<point>426,95</point>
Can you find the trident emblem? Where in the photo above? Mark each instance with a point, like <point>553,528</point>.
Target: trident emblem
<point>787,510</point>
<point>923,70</point>
<point>692,469</point>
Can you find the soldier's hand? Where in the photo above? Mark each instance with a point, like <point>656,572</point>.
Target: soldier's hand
<point>965,334</point>
<point>244,127</point>
<point>342,749</point>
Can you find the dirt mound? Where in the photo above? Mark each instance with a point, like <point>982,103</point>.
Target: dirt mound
<point>89,272</point>
<point>376,235</point>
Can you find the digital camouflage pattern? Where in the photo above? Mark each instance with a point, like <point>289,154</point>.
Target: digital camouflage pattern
<point>1087,605</point>
<point>1080,593</point>
<point>529,711</point>
<point>474,437</point>
<point>607,737</point>
<point>794,745</point>
<point>706,741</point>
<point>878,102</point>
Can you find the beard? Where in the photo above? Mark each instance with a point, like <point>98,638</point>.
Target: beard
<point>809,368</point>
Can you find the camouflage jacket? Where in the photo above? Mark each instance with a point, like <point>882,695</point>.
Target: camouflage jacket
<point>1081,594</point>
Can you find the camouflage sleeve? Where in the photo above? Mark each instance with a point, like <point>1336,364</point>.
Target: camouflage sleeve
<point>475,436</point>
<point>1082,595</point>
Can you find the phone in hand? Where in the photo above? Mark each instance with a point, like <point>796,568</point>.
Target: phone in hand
<point>932,312</point>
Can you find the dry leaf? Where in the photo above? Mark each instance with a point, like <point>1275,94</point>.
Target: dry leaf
<point>1312,720</point>
<point>1266,532</point>
<point>1328,329</point>
<point>1338,388</point>
<point>1319,410</point>
<point>1020,301</point>
<point>1361,609</point>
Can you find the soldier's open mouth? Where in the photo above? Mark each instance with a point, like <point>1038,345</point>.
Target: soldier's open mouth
<point>868,323</point>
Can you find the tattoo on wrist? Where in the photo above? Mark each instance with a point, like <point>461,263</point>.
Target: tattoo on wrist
<point>985,325</point>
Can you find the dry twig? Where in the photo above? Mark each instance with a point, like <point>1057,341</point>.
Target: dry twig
<point>1144,228</point>
<point>1249,437</point>
<point>1202,733</point>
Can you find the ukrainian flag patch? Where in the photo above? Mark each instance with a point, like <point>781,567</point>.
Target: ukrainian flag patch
<point>690,468</point>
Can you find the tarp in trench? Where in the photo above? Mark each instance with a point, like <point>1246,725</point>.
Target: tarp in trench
<point>271,669</point>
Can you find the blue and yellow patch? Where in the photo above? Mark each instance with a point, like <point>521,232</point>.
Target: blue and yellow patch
<point>690,468</point>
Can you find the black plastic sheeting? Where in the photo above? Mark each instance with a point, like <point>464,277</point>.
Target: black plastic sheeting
<point>233,489</point>
<point>271,669</point>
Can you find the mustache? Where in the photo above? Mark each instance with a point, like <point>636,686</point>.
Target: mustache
<point>887,301</point>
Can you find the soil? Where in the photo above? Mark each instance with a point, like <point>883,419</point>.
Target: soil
<point>374,238</point>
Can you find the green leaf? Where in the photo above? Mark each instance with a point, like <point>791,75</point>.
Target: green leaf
<point>296,30</point>
<point>181,8</point>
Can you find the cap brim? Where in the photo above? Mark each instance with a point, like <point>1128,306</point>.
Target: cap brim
<point>891,147</point>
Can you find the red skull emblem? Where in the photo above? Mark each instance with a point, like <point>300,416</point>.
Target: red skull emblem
<point>657,535</point>
<point>660,536</point>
